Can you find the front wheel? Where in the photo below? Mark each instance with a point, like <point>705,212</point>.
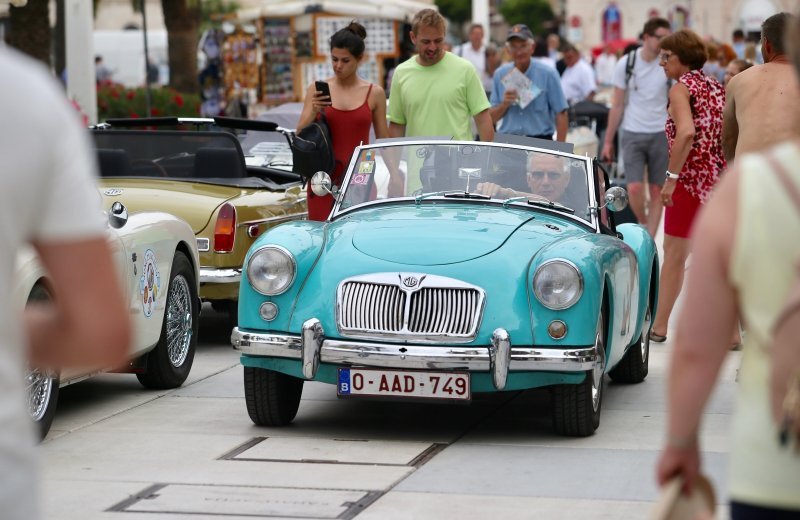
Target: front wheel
<point>272,397</point>
<point>42,390</point>
<point>169,363</point>
<point>41,387</point>
<point>576,408</point>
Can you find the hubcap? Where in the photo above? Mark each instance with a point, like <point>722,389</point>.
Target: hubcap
<point>597,370</point>
<point>179,321</point>
<point>39,389</point>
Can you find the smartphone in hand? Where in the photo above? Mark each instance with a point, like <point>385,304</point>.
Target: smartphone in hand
<point>323,87</point>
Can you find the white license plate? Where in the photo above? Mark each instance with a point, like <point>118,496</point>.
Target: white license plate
<point>399,383</point>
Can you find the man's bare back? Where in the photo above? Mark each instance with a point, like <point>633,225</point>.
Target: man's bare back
<point>762,108</point>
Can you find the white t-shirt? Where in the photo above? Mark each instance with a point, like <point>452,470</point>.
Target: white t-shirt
<point>47,193</point>
<point>477,58</point>
<point>578,81</point>
<point>648,91</point>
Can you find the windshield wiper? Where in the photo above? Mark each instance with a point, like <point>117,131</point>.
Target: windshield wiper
<point>451,194</point>
<point>466,195</point>
<point>544,203</point>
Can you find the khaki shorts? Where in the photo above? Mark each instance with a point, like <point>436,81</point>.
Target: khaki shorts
<point>640,150</point>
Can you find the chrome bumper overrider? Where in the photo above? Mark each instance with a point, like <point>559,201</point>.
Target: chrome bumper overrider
<point>499,358</point>
<point>214,275</point>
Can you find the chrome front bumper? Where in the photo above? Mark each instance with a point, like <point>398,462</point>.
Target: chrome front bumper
<point>499,358</point>
<point>214,275</point>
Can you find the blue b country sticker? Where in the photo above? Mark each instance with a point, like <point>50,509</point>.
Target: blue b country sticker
<point>344,381</point>
<point>149,283</point>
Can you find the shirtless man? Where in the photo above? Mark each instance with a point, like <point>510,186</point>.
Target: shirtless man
<point>763,102</point>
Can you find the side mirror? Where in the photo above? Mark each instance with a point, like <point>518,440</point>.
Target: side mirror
<point>616,199</point>
<point>118,216</point>
<point>322,185</point>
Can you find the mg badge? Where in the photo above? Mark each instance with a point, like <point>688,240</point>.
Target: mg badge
<point>410,281</point>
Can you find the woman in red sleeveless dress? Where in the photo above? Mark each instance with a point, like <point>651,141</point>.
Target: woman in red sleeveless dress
<point>353,107</point>
<point>694,133</point>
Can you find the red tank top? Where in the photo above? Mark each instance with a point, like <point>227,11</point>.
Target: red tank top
<point>349,128</point>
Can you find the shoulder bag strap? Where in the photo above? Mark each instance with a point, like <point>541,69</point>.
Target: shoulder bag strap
<point>786,180</point>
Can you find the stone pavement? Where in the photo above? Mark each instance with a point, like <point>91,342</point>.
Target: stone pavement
<point>117,451</point>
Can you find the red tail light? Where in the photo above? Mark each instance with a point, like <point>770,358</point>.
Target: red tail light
<point>225,229</point>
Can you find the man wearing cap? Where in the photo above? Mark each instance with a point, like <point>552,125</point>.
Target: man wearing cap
<point>538,113</point>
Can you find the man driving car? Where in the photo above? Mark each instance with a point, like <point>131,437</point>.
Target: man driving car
<point>547,177</point>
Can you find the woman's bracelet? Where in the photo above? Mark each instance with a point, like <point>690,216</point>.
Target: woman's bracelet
<point>671,175</point>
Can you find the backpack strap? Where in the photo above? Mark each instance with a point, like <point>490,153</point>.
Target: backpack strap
<point>629,66</point>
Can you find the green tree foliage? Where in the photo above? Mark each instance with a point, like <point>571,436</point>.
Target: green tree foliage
<point>533,13</point>
<point>457,11</point>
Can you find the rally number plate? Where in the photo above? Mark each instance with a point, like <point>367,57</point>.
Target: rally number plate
<point>399,383</point>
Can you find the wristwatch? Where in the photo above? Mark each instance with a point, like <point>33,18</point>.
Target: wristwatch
<point>671,175</point>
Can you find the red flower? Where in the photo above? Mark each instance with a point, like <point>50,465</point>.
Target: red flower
<point>178,99</point>
<point>131,94</point>
<point>154,111</point>
<point>114,93</point>
<point>133,115</point>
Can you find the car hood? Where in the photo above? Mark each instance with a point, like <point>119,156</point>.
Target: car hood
<point>192,202</point>
<point>430,235</point>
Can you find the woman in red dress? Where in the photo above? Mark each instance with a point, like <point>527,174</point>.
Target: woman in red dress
<point>694,133</point>
<point>353,107</point>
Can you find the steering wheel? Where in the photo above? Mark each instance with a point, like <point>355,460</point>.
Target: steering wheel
<point>147,162</point>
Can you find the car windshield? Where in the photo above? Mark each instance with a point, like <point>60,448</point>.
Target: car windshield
<point>493,172</point>
<point>216,157</point>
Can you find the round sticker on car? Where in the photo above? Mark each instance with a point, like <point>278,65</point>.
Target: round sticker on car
<point>149,283</point>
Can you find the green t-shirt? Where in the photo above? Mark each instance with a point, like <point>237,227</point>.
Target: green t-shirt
<point>439,100</point>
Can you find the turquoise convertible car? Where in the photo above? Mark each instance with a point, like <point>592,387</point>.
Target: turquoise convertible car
<point>446,269</point>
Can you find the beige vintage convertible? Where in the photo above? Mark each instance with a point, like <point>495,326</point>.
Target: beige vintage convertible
<point>157,260</point>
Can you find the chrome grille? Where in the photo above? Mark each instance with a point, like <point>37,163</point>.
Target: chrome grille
<point>392,306</point>
<point>443,311</point>
<point>369,306</point>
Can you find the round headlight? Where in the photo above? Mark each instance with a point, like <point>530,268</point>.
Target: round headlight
<point>271,270</point>
<point>558,284</point>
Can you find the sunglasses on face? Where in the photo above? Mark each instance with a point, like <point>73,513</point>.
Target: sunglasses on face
<point>551,175</point>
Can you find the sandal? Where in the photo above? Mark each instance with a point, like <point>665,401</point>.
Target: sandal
<point>658,338</point>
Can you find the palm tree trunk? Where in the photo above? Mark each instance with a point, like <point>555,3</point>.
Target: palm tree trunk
<point>29,29</point>
<point>182,19</point>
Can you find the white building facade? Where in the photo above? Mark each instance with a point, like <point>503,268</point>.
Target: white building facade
<point>710,18</point>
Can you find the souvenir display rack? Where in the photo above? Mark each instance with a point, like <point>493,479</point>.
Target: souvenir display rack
<point>240,60</point>
<point>277,73</point>
<point>296,52</point>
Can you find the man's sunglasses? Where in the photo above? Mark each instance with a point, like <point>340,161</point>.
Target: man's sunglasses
<point>551,174</point>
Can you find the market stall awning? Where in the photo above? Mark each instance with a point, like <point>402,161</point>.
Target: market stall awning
<point>394,10</point>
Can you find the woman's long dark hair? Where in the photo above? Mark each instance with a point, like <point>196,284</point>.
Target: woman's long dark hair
<point>350,38</point>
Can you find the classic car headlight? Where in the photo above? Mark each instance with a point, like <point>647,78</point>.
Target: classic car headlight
<point>271,270</point>
<point>558,284</point>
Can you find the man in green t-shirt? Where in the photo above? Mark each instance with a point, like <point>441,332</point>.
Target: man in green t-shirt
<point>436,92</point>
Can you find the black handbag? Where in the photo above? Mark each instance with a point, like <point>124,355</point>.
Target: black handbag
<point>312,149</point>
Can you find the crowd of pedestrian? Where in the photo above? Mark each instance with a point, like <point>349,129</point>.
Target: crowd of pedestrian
<point>682,111</point>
